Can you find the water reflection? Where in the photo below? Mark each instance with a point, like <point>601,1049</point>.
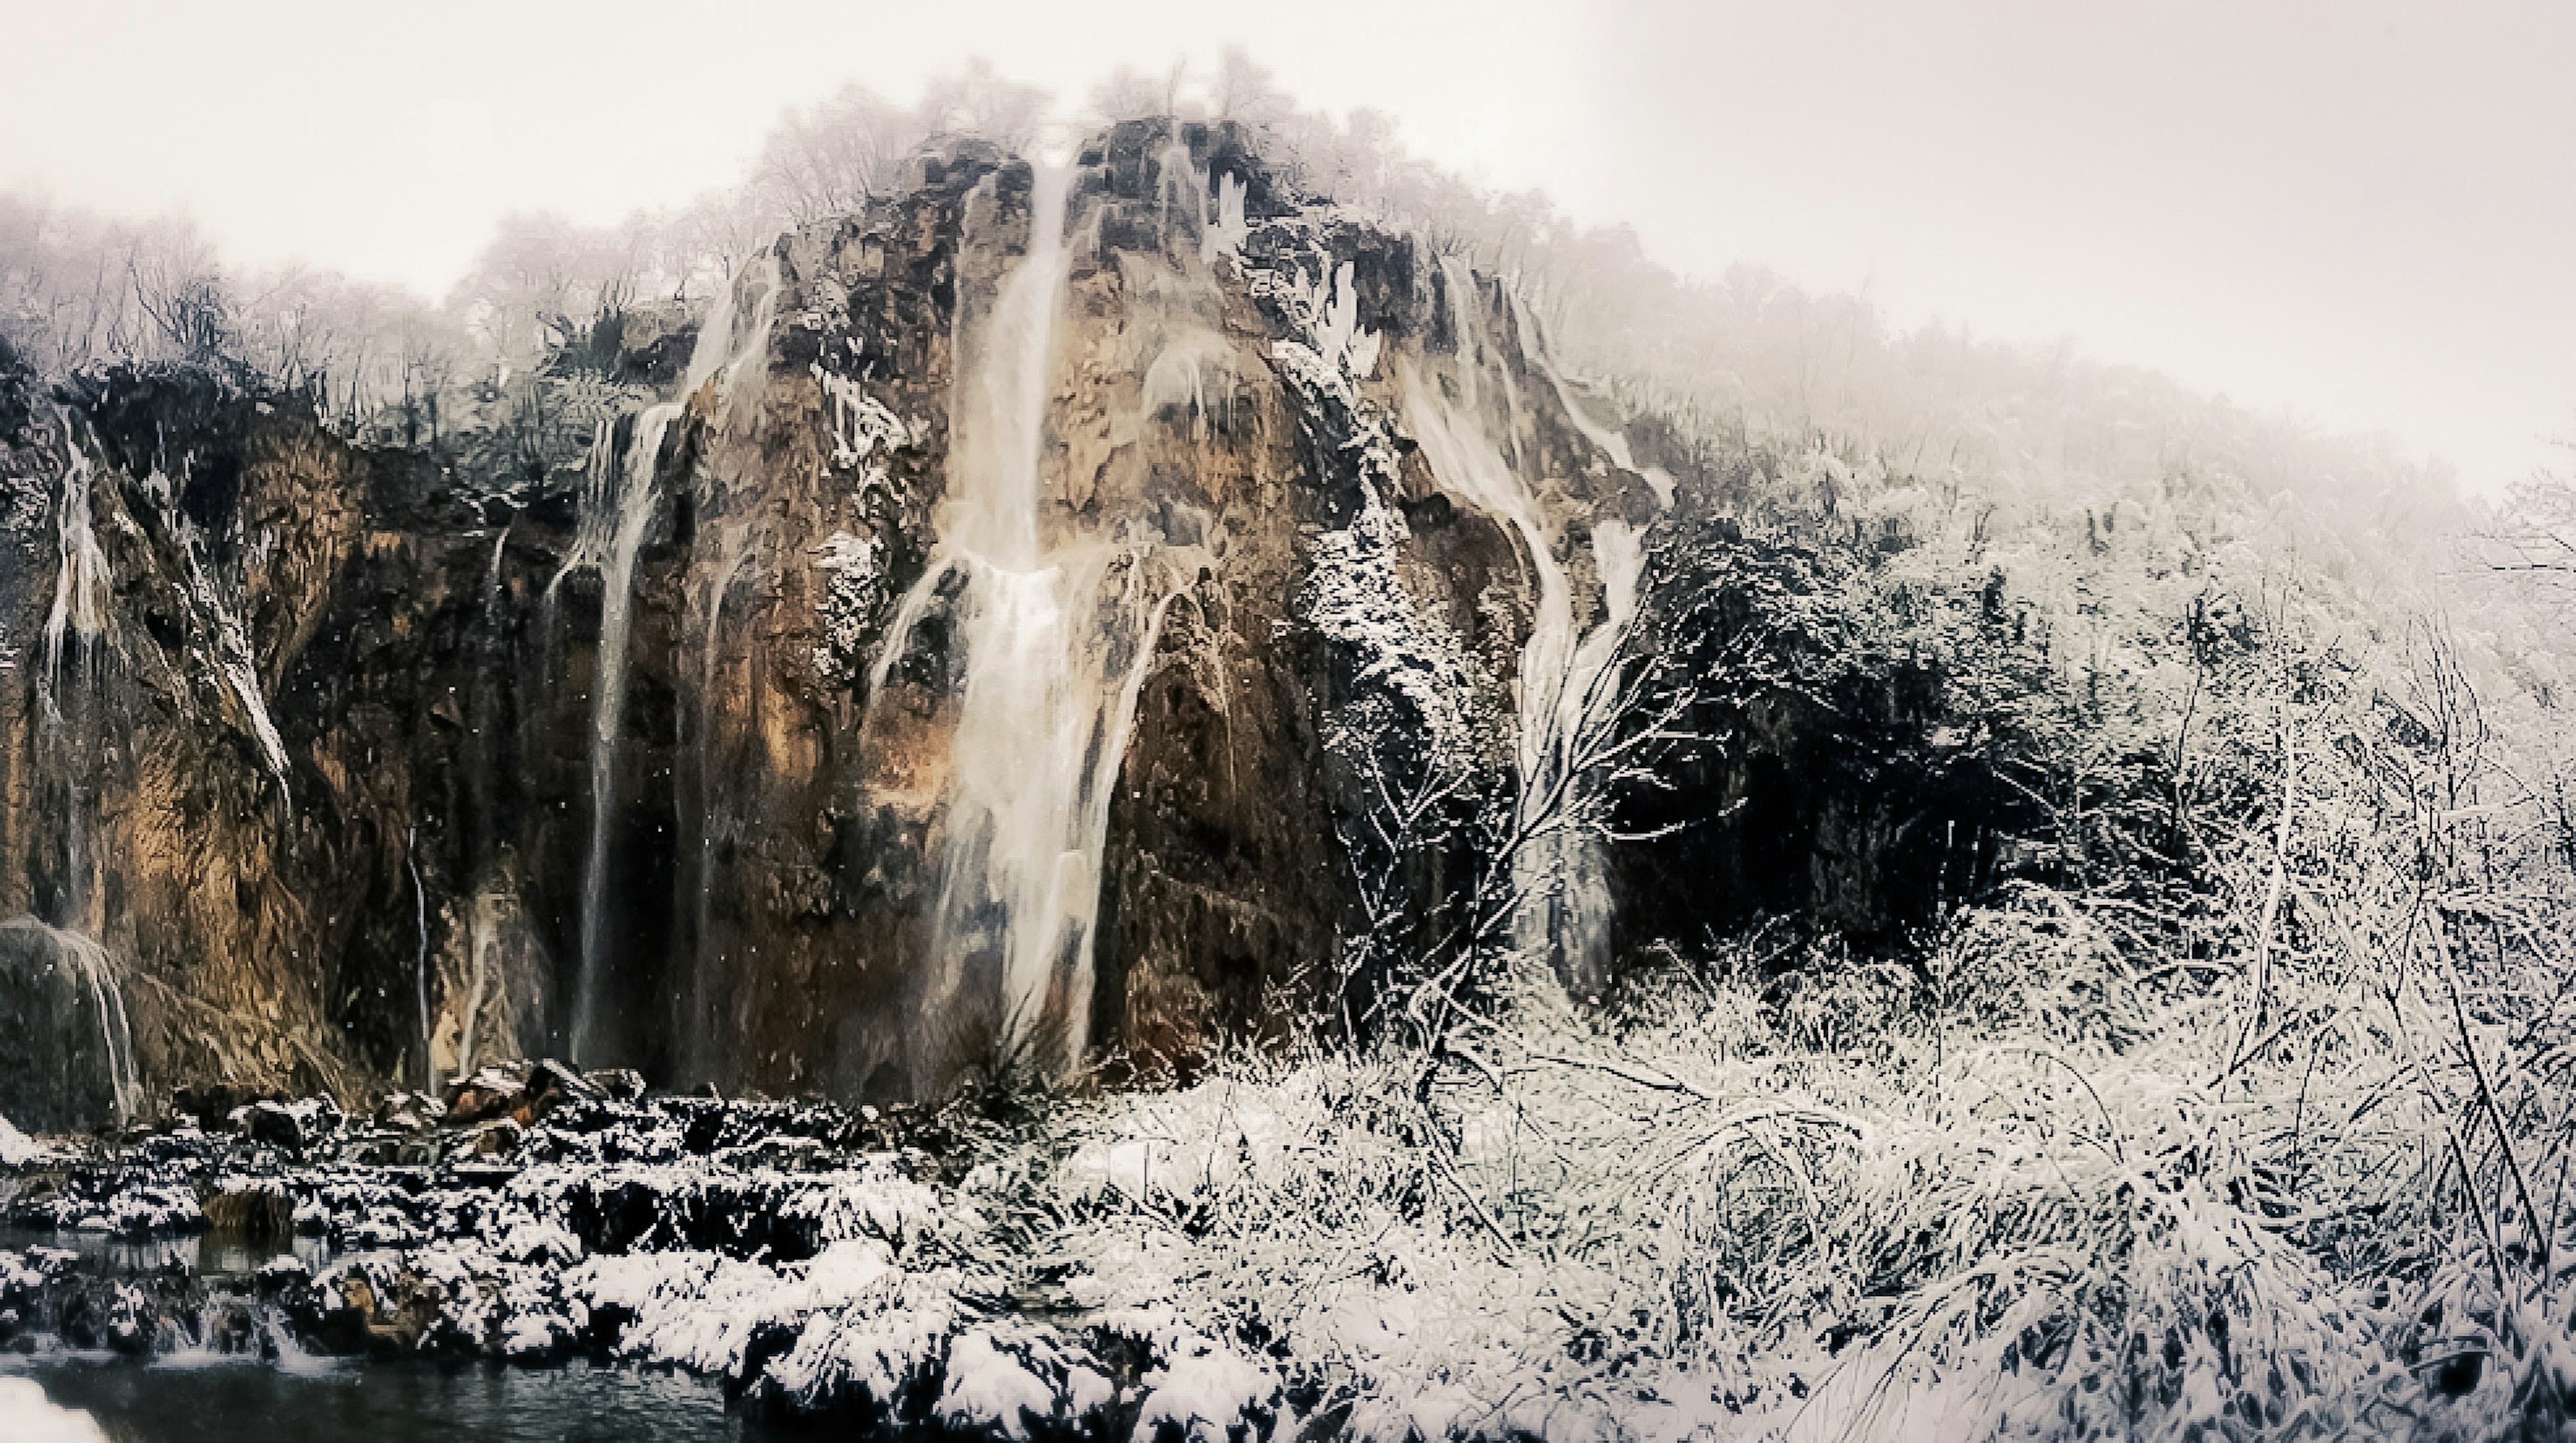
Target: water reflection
<point>201,1255</point>
<point>250,1402</point>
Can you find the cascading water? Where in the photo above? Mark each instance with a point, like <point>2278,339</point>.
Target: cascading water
<point>94,974</point>
<point>1057,633</point>
<point>73,626</point>
<point>1566,688</point>
<point>734,552</point>
<point>487,853</point>
<point>614,519</point>
<point>1612,444</point>
<point>231,651</point>
<point>618,507</point>
<point>730,346</point>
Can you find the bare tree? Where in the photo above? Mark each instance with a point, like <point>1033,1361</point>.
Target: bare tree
<point>1246,92</point>
<point>2536,530</point>
<point>1412,978</point>
<point>1130,95</point>
<point>980,102</point>
<point>831,157</point>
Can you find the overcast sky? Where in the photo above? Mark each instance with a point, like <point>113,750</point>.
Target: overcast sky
<point>2360,211</point>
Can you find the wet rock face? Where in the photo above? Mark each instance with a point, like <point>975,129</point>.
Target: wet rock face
<point>58,1027</point>
<point>817,801</point>
<point>257,720</point>
<point>319,775</point>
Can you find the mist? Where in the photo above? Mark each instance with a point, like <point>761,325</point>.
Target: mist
<point>2348,214</point>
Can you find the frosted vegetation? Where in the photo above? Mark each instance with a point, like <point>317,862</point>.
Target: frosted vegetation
<point>2243,1110</point>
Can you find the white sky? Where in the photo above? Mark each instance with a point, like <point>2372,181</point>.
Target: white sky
<point>2361,211</point>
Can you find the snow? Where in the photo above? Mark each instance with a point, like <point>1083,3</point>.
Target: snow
<point>1326,310</point>
<point>31,1417</point>
<point>853,570</point>
<point>535,1242</point>
<point>1178,1144</point>
<point>861,425</point>
<point>870,1351</point>
<point>1203,1388</point>
<point>1353,595</point>
<point>840,1275</point>
<point>991,1387</point>
<point>17,1149</point>
<point>695,1309</point>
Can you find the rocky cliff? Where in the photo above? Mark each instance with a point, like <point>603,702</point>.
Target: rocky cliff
<point>777,741</point>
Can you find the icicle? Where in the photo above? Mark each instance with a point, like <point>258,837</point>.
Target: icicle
<point>81,575</point>
<point>80,579</point>
<point>1227,233</point>
<point>420,959</point>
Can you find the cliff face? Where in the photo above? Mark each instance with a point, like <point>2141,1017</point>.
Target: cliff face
<point>234,725</point>
<point>781,749</point>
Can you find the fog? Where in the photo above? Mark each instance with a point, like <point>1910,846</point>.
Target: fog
<point>2355,213</point>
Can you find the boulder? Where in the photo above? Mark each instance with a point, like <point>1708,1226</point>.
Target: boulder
<point>290,1126</point>
<point>520,1091</point>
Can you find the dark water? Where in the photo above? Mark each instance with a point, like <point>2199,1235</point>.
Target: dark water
<point>366,1402</point>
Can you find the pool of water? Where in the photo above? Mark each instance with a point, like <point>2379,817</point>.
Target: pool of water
<point>346,1402</point>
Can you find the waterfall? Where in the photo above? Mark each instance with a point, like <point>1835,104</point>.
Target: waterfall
<point>618,506</point>
<point>1566,688</point>
<point>233,658</point>
<point>420,959</point>
<point>96,974</point>
<point>701,1052</point>
<point>1058,635</point>
<point>1611,442</point>
<point>614,519</point>
<point>82,573</point>
<point>74,623</point>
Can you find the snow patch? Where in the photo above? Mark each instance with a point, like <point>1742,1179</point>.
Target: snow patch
<point>17,1149</point>
<point>34,1418</point>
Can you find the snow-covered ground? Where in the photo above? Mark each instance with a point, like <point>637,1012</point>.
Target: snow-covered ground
<point>1730,1208</point>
